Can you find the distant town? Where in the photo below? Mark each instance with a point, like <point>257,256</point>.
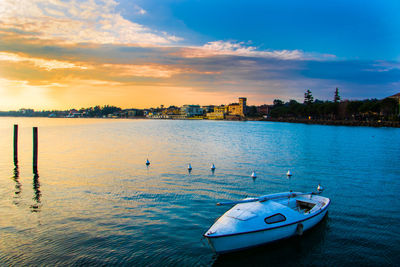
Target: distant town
<point>336,111</point>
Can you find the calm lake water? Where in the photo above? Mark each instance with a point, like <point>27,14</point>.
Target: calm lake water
<point>95,202</point>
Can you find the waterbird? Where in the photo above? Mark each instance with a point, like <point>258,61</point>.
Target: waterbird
<point>213,167</point>
<point>253,174</point>
<point>320,188</point>
<point>147,162</point>
<point>288,174</point>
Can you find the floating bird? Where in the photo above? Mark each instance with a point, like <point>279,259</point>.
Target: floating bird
<point>320,188</point>
<point>253,175</point>
<point>288,174</point>
<point>189,167</point>
<point>213,167</point>
<point>147,162</point>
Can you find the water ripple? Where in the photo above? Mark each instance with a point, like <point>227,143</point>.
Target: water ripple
<point>100,205</point>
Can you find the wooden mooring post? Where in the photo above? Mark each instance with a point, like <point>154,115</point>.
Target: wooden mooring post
<point>35,149</point>
<point>15,143</point>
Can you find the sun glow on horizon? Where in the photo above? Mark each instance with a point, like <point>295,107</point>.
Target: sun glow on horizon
<point>72,54</point>
<point>78,95</point>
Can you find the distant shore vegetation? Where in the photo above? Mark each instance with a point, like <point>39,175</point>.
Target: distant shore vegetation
<point>368,109</point>
<point>369,112</point>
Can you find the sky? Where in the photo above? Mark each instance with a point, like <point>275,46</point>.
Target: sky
<point>63,54</point>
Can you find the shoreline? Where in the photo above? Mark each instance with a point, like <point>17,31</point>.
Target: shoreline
<point>391,124</point>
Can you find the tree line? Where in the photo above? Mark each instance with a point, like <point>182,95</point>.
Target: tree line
<point>368,109</point>
<point>92,112</point>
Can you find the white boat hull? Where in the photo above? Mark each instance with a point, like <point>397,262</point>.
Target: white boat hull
<point>234,239</point>
<point>241,241</point>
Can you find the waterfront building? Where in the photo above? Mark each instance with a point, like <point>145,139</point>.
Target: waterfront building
<point>26,111</point>
<point>238,109</point>
<point>208,109</point>
<point>73,113</point>
<point>263,109</point>
<point>172,110</point>
<point>191,110</point>
<point>130,113</point>
<point>396,97</point>
<point>234,111</point>
<point>221,109</point>
<point>218,113</point>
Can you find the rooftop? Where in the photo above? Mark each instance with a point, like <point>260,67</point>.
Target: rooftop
<point>396,95</point>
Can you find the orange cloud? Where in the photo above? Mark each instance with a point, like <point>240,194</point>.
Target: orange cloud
<point>40,62</point>
<point>77,22</point>
<point>151,70</point>
<point>156,71</point>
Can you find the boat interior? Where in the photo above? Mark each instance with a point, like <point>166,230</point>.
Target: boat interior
<point>303,205</point>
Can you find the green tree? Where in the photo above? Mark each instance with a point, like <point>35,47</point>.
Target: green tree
<point>330,110</point>
<point>336,98</point>
<point>252,111</point>
<point>109,110</point>
<point>295,109</point>
<point>308,98</point>
<point>97,111</point>
<point>278,103</point>
<point>353,108</point>
<point>389,107</point>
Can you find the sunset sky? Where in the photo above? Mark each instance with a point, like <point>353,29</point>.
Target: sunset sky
<point>62,54</point>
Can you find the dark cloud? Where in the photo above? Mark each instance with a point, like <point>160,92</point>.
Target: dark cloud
<point>360,72</point>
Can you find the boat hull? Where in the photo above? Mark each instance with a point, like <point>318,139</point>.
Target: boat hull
<point>234,242</point>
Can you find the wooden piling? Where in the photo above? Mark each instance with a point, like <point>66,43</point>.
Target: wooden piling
<point>35,149</point>
<point>15,143</point>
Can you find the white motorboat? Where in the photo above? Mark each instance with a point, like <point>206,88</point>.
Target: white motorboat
<point>256,221</point>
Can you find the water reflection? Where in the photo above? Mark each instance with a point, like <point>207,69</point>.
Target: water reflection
<point>37,194</point>
<point>106,208</point>
<point>280,253</point>
<point>18,186</point>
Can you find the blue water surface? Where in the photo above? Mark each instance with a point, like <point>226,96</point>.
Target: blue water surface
<point>94,201</point>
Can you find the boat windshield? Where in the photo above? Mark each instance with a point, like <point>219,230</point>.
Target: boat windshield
<point>275,218</point>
